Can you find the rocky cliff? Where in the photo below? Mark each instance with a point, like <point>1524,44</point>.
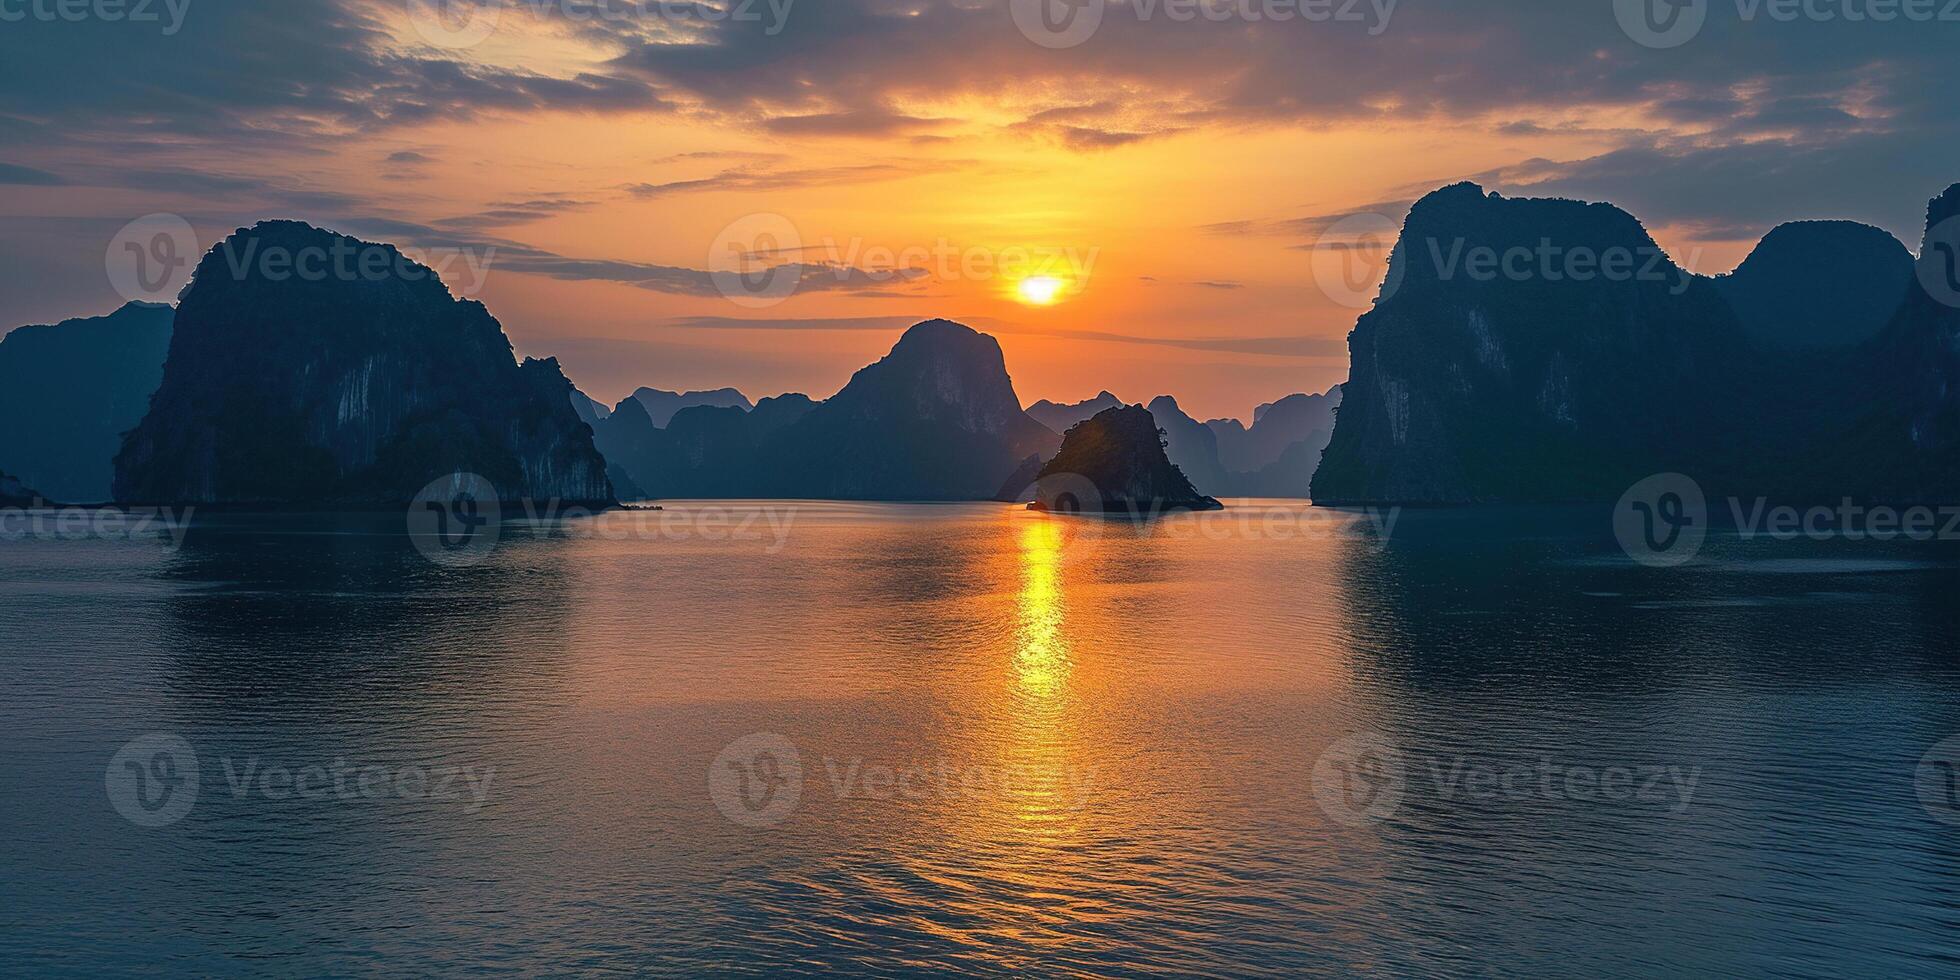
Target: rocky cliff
<point>1534,384</point>
<point>1120,453</point>
<point>1819,284</point>
<point>69,391</point>
<point>347,388</point>
<point>1536,350</point>
<point>1906,445</point>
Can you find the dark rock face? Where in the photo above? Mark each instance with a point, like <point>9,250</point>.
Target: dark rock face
<point>588,409</point>
<point>1467,386</point>
<point>1120,452</point>
<point>1907,447</point>
<point>1527,389</point>
<point>1191,444</point>
<point>1061,418</point>
<point>346,391</point>
<point>14,493</point>
<point>1814,284</point>
<point>662,406</point>
<point>936,419</point>
<point>69,391</point>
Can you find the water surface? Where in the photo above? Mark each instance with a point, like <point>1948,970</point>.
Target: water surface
<point>897,738</point>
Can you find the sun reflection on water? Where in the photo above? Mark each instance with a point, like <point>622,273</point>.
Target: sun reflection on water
<point>1041,658</point>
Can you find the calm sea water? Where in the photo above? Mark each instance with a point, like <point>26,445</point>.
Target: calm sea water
<point>804,738</point>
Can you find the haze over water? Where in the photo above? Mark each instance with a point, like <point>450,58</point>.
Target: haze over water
<point>1021,744</point>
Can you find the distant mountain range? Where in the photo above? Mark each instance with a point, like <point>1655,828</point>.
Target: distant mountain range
<point>1061,418</point>
<point>935,419</point>
<point>1819,369</point>
<point>69,391</point>
<point>1275,457</point>
<point>346,392</point>
<point>662,406</point>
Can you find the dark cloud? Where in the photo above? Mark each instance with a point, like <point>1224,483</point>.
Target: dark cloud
<point>15,174</point>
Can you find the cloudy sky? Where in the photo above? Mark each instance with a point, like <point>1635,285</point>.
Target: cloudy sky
<point>1168,171</point>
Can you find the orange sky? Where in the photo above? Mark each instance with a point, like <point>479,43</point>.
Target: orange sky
<point>1175,177</point>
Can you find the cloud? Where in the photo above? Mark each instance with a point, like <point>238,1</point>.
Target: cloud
<point>1258,346</point>
<point>11,173</point>
<point>744,179</point>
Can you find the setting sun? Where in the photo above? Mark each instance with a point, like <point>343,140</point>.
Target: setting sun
<point>1040,290</point>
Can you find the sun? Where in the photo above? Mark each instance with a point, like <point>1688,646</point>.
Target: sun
<point>1040,290</point>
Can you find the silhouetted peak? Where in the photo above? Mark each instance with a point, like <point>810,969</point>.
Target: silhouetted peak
<point>1821,245</point>
<point>1943,207</point>
<point>942,335</point>
<point>1819,284</point>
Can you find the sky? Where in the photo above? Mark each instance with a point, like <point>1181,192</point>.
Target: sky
<point>764,193</point>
